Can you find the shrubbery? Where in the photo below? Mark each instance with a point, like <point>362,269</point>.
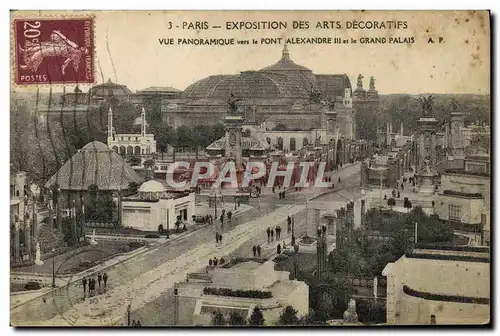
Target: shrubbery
<point>253,294</point>
<point>32,285</point>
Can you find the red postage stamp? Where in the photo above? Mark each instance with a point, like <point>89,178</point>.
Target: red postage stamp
<point>54,51</point>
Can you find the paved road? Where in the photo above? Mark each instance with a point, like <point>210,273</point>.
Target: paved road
<point>149,276</point>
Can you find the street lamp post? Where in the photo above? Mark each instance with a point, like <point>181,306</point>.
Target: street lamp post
<point>128,314</point>
<point>53,268</point>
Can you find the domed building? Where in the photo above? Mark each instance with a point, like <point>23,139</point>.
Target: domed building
<point>94,164</point>
<point>152,206</point>
<point>284,93</point>
<point>151,190</point>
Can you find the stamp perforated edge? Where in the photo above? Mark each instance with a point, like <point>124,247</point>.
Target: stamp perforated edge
<point>16,15</point>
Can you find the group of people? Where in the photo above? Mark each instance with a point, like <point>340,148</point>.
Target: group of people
<point>271,233</point>
<point>256,249</point>
<point>214,261</point>
<point>223,215</point>
<point>102,281</point>
<point>218,238</point>
<point>136,323</point>
<point>395,194</point>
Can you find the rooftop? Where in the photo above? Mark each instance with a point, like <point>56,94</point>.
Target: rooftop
<point>160,89</point>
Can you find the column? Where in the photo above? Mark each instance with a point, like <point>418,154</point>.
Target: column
<point>433,151</point>
<point>27,228</point>
<point>16,242</point>
<point>50,218</point>
<point>73,221</point>
<point>58,224</point>
<point>27,237</point>
<point>34,227</point>
<point>422,153</point>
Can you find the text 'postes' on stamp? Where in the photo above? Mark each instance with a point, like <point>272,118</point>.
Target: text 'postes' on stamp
<point>54,51</point>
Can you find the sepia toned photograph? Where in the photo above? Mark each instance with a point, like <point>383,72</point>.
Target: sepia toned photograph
<point>250,168</point>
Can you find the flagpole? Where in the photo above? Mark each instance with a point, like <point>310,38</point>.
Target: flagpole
<point>416,233</point>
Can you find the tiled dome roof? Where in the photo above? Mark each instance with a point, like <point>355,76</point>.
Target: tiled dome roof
<point>285,64</point>
<point>96,164</point>
<point>284,80</point>
<point>248,84</point>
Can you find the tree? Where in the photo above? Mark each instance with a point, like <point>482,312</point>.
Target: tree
<point>280,127</point>
<point>100,205</point>
<point>288,316</point>
<point>218,318</point>
<point>36,147</point>
<point>257,318</point>
<point>236,319</point>
<point>135,161</point>
<point>132,188</point>
<point>185,137</point>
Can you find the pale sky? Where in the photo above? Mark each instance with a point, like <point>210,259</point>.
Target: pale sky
<point>461,64</point>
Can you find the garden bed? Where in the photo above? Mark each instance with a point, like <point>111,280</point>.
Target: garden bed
<point>83,258</point>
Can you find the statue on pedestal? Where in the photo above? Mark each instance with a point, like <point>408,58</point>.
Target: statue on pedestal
<point>92,240</point>
<point>360,82</point>
<point>427,105</point>
<point>372,83</point>
<point>350,314</point>
<point>232,104</point>
<point>38,255</point>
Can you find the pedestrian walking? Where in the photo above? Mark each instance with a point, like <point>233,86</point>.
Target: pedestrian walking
<point>254,250</point>
<point>339,176</point>
<point>215,261</point>
<point>278,249</point>
<point>229,215</point>
<point>258,251</point>
<point>105,280</point>
<point>220,238</point>
<point>91,287</point>
<point>216,238</point>
<point>289,224</point>
<point>210,262</point>
<point>399,194</point>
<point>268,234</point>
<point>272,235</point>
<point>274,190</point>
<point>84,283</point>
<point>99,279</point>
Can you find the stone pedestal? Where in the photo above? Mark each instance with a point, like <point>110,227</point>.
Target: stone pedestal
<point>427,183</point>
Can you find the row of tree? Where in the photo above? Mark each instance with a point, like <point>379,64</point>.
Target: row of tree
<point>288,317</point>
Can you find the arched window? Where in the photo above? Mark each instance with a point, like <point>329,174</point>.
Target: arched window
<point>115,149</point>
<point>130,150</point>
<point>122,150</point>
<point>280,143</point>
<point>137,150</point>
<point>292,144</point>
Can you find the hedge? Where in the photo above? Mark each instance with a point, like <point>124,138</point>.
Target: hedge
<point>252,294</point>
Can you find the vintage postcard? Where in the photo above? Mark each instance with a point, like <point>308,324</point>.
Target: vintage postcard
<point>250,168</point>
